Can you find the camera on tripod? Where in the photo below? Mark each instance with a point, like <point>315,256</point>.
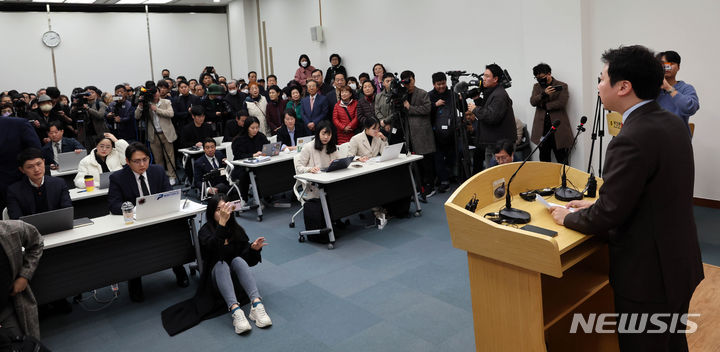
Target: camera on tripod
<point>398,91</point>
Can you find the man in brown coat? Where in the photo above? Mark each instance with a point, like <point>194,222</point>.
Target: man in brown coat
<point>549,97</point>
<point>19,314</point>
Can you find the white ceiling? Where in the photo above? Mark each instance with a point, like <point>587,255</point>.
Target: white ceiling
<point>112,2</point>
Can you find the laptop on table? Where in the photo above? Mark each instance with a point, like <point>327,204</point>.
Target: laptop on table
<point>51,221</point>
<point>157,204</point>
<point>69,161</point>
<point>272,149</point>
<point>338,164</point>
<point>389,153</point>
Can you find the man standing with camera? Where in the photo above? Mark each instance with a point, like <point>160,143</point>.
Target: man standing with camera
<point>676,96</point>
<point>549,97</point>
<point>119,116</point>
<point>495,117</point>
<point>160,130</point>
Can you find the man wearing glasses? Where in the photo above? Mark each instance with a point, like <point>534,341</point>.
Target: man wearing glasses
<point>139,178</point>
<point>676,96</point>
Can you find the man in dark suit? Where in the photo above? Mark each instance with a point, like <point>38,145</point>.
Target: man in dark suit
<point>16,135</point>
<point>495,119</point>
<point>35,193</point>
<point>59,144</point>
<point>314,106</point>
<point>138,178</point>
<point>210,161</point>
<point>645,206</point>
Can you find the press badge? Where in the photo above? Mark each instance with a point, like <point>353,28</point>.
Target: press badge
<point>443,127</point>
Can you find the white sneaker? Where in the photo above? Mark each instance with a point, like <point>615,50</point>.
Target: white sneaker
<point>259,315</point>
<point>240,322</point>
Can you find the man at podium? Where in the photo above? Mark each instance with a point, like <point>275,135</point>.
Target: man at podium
<point>645,206</point>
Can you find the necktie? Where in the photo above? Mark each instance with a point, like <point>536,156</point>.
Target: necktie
<point>312,102</point>
<point>143,186</point>
<point>214,163</point>
<point>57,151</point>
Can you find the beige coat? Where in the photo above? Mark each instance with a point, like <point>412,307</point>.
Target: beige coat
<point>14,236</point>
<point>555,105</point>
<point>259,110</point>
<point>89,166</point>
<point>359,146</point>
<point>310,157</point>
<point>165,113</point>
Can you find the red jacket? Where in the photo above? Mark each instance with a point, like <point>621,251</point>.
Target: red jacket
<point>341,120</point>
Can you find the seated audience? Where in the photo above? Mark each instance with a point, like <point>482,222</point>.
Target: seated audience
<point>291,130</point>
<point>195,133</point>
<point>227,252</point>
<point>212,159</point>
<point>237,127</point>
<point>16,135</point>
<point>275,109</point>
<point>369,143</point>
<point>345,115</point>
<point>247,146</point>
<point>108,156</point>
<point>313,157</point>
<point>35,193</point>
<point>59,144</point>
<point>139,178</point>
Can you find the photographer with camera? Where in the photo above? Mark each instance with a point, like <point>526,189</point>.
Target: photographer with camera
<point>495,117</point>
<point>88,108</point>
<point>549,97</point>
<point>443,111</point>
<point>119,116</point>
<point>383,108</point>
<point>160,130</point>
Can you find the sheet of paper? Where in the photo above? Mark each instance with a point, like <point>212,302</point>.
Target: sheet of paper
<point>548,205</point>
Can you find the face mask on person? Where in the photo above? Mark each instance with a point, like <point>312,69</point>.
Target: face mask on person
<point>304,63</point>
<point>245,91</point>
<point>284,96</point>
<point>6,114</point>
<point>353,86</point>
<point>45,107</point>
<point>232,91</point>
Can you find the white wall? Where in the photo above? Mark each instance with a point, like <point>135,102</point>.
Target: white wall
<point>105,49</point>
<point>688,28</point>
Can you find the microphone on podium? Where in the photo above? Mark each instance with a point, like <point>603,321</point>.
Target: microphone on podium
<point>564,193</point>
<point>517,216</point>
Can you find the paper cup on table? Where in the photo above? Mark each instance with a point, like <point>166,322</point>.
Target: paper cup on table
<point>89,183</point>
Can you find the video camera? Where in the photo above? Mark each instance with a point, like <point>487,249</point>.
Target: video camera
<point>398,91</point>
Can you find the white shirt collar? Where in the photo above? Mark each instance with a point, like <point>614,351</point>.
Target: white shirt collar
<point>42,182</point>
<point>137,182</point>
<point>633,108</point>
<point>210,159</point>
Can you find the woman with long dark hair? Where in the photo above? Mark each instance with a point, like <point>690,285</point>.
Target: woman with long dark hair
<point>227,250</point>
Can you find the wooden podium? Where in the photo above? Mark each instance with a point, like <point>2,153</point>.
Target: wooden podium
<point>526,286</point>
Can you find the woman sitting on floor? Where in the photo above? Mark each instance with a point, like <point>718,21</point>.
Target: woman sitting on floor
<point>227,251</point>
